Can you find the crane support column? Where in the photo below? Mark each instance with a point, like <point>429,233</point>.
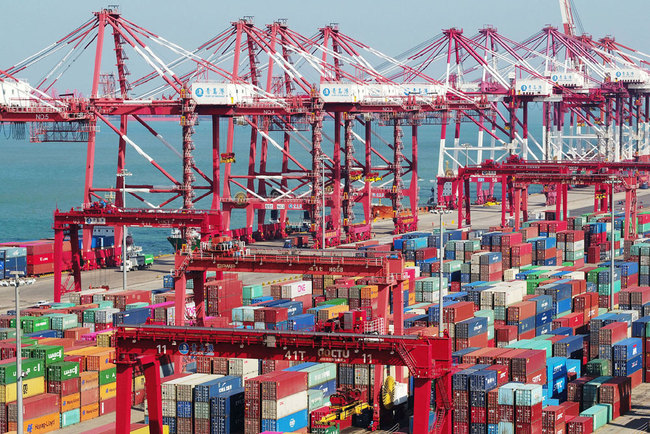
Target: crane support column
<point>58,263</point>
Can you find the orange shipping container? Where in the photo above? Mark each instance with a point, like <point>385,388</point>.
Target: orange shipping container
<point>90,411</point>
<point>89,396</point>
<point>100,360</point>
<point>369,291</point>
<point>43,424</point>
<point>89,380</point>
<point>70,402</point>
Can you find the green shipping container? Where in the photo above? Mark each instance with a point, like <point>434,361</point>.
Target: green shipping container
<point>137,305</point>
<point>48,353</point>
<point>62,371</point>
<point>315,399</point>
<point>319,374</point>
<point>333,302</point>
<point>89,315</point>
<point>252,291</point>
<point>107,376</point>
<point>63,321</point>
<point>33,324</point>
<point>103,304</point>
<point>598,368</point>
<point>599,413</point>
<point>8,333</point>
<point>32,368</point>
<point>62,305</point>
<point>71,417</point>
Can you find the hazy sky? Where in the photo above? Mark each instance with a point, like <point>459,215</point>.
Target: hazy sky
<point>390,26</point>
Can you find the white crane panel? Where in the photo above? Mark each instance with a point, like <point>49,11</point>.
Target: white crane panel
<point>627,75</point>
<point>341,92</point>
<point>533,86</point>
<point>567,79</point>
<point>222,93</point>
<point>14,94</point>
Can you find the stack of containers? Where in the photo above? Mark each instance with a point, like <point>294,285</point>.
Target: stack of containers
<point>544,250</point>
<point>617,393</point>
<point>480,383</point>
<point>227,412</point>
<point>529,366</point>
<point>168,403</point>
<point>628,359</point>
<point>523,315</point>
<point>33,385</point>
<point>506,401</point>
<point>528,408</point>
<point>63,378</point>
<point>284,401</point>
<point>461,400</point>
<point>472,332</point>
<point>203,392</point>
<point>427,289</point>
<point>222,296</point>
<point>15,259</point>
<point>572,245</point>
<point>595,238</point>
<point>633,298</point>
<point>250,292</point>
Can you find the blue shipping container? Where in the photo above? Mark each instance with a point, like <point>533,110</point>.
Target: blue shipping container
<point>471,327</point>
<point>204,391</point>
<point>543,318</point>
<point>627,349</point>
<point>229,403</point>
<point>328,388</point>
<point>639,327</point>
<point>623,369</point>
<point>303,322</point>
<point>483,381</point>
<point>132,317</point>
<point>293,422</point>
<point>544,303</point>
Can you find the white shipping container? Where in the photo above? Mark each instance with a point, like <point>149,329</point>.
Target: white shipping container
<point>417,270</point>
<point>184,388</point>
<point>401,393</point>
<point>476,259</point>
<point>575,275</point>
<point>272,409</point>
<point>243,367</point>
<point>171,315</point>
<point>238,314</point>
<point>296,289</point>
<point>168,389</point>
<point>259,325</point>
<point>248,313</point>
<point>168,408</point>
<point>575,246</point>
<point>487,298</point>
<point>510,274</point>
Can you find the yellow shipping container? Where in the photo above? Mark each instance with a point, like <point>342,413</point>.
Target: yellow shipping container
<point>39,425</point>
<point>89,411</point>
<point>332,312</point>
<point>107,391</point>
<point>70,402</point>
<point>411,298</point>
<point>104,339</point>
<point>31,387</point>
<point>145,430</point>
<point>409,264</point>
<point>369,291</point>
<point>138,383</point>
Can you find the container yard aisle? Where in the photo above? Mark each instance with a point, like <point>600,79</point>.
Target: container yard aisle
<point>638,419</point>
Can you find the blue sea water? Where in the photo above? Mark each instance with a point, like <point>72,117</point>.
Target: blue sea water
<point>36,178</point>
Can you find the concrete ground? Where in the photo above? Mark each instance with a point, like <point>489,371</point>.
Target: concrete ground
<point>580,201</point>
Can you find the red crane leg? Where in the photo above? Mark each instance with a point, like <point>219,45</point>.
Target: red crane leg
<point>88,254</point>
<point>517,208</point>
<point>565,197</point>
<point>216,166</point>
<point>250,211</point>
<point>398,320</point>
<point>504,189</point>
<point>367,191</point>
<point>179,290</point>
<point>461,203</point>
<point>124,391</point>
<point>199,296</point>
<point>468,205</point>
<point>336,200</point>
<point>421,404</point>
<point>413,187</point>
<point>154,395</point>
<point>558,201</point>
<point>76,256</point>
<point>58,263</point>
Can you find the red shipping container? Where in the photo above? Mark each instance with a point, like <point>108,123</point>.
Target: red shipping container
<point>527,363</point>
<point>522,310</point>
<point>571,409</point>
<point>506,413</point>
<point>63,388</point>
<point>306,301</point>
<point>490,356</point>
<point>552,417</point>
<point>139,396</point>
<point>528,414</point>
<point>40,258</point>
<point>636,378</point>
<point>612,333</point>
<point>478,415</point>
<point>503,373</point>
<point>90,396</point>
<point>580,425</point>
<point>473,357</point>
<point>461,414</point>
<point>34,407</point>
<point>575,319</point>
<point>461,428</point>
<point>107,406</point>
<point>460,399</point>
<point>283,384</point>
<point>458,312</point>
<point>534,427</point>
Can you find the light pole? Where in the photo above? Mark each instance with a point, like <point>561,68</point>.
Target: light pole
<point>123,174</point>
<point>19,364</point>
<point>440,210</point>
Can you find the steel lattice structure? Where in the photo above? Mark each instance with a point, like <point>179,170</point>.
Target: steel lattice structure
<point>344,118</point>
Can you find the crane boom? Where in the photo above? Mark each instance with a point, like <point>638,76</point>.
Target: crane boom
<point>567,17</point>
